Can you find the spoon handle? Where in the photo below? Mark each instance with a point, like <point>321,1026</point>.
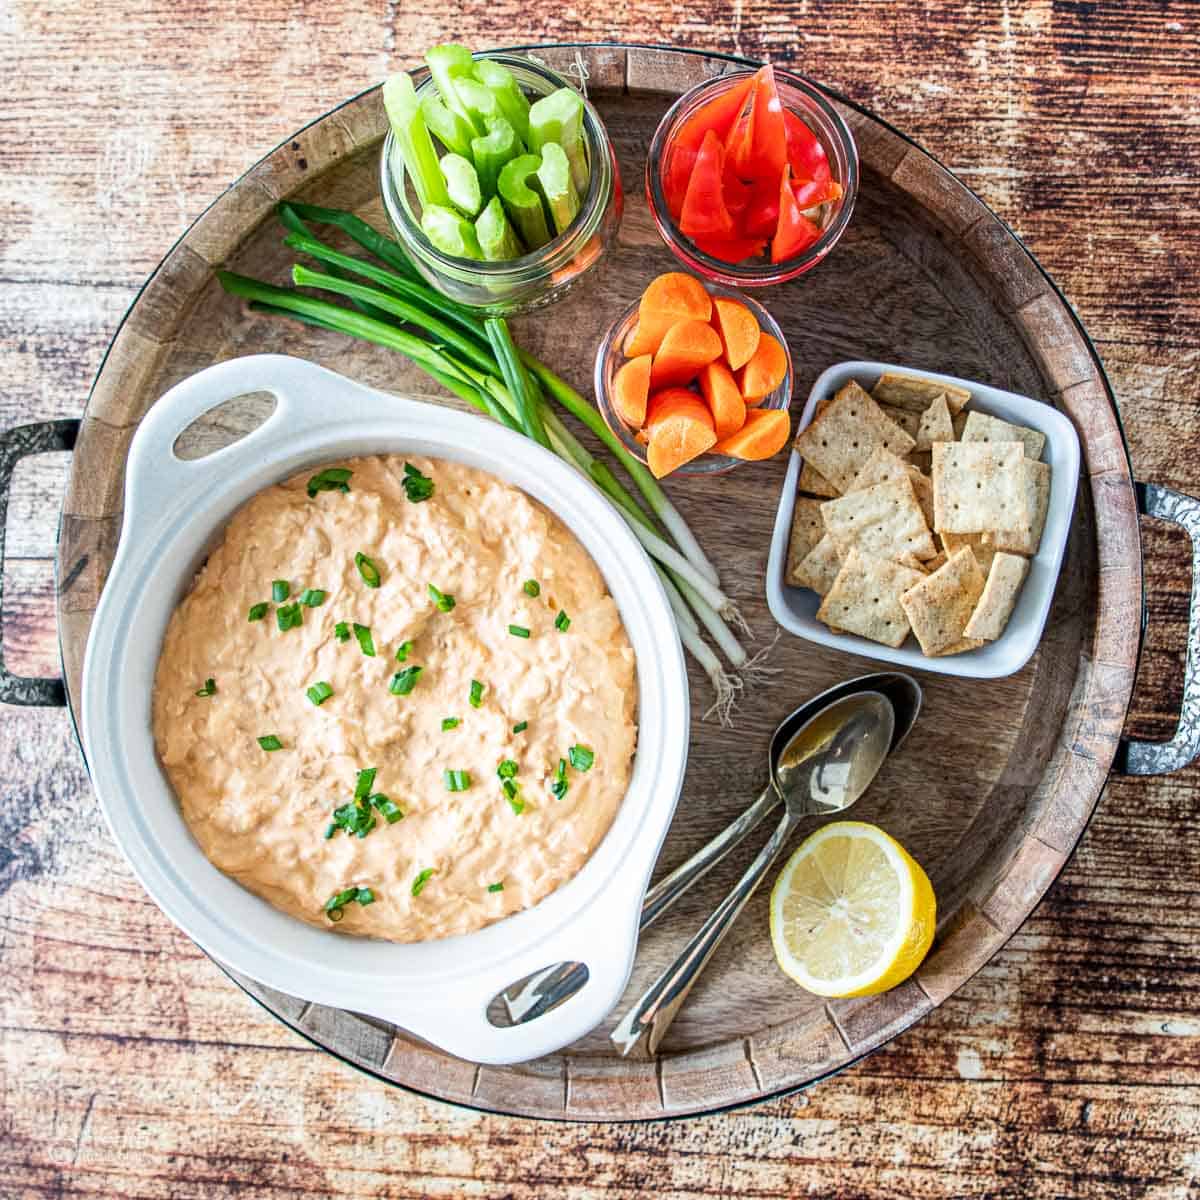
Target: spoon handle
<point>644,1026</point>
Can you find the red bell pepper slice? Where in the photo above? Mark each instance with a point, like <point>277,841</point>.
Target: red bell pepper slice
<point>805,154</point>
<point>757,143</point>
<point>731,250</point>
<point>761,214</point>
<point>717,114</point>
<point>795,232</point>
<point>704,210</point>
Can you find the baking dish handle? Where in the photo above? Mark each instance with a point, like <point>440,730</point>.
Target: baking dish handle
<point>16,444</point>
<point>1158,758</point>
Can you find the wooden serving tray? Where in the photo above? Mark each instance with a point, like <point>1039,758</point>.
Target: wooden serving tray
<point>997,781</point>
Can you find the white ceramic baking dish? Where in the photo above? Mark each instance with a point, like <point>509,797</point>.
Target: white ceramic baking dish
<point>174,511</point>
<point>796,608</point>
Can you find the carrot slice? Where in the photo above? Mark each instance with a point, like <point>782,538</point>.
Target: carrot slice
<point>631,387</point>
<point>739,331</point>
<point>681,428</point>
<point>686,348</point>
<point>765,433</point>
<point>671,298</point>
<point>765,370</point>
<point>723,398</point>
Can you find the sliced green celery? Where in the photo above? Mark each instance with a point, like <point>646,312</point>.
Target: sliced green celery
<point>558,117</point>
<point>502,83</point>
<point>522,203</point>
<point>490,153</point>
<point>462,184</point>
<point>449,65</point>
<point>497,239</point>
<point>480,104</point>
<point>453,131</point>
<point>413,140</point>
<point>554,179</point>
<point>449,232</point>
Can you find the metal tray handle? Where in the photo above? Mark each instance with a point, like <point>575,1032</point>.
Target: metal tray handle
<point>16,444</point>
<point>1159,758</point>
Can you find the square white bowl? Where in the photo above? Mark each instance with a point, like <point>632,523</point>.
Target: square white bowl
<point>796,608</point>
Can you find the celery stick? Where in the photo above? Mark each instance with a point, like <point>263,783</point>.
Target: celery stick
<point>558,117</point>
<point>453,131</point>
<point>497,240</point>
<point>492,152</point>
<point>413,140</point>
<point>462,184</point>
<point>480,104</point>
<point>513,102</point>
<point>449,232</point>
<point>449,65</point>
<point>554,179</point>
<point>523,204</point>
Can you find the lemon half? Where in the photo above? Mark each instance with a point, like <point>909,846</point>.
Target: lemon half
<point>852,913</point>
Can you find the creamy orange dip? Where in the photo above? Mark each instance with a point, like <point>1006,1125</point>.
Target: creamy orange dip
<point>262,815</point>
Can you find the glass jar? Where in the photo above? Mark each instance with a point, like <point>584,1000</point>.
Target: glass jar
<point>814,108</point>
<point>543,275</point>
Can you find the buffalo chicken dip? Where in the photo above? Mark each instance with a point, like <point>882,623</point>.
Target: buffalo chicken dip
<point>398,700</point>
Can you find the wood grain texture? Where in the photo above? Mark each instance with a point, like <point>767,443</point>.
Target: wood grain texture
<point>1068,1066</point>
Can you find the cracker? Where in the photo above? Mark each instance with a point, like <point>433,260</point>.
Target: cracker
<point>979,486</point>
<point>908,420</point>
<point>1028,537</point>
<point>922,488</point>
<point>959,647</point>
<point>814,483</point>
<point>935,424</point>
<point>999,597</point>
<point>846,434</point>
<point>819,567</point>
<point>882,467</point>
<point>865,598</point>
<point>915,393</point>
<point>935,563</point>
<point>922,460</point>
<point>984,553</point>
<point>982,428</point>
<point>884,519</point>
<point>941,604</point>
<point>807,530</point>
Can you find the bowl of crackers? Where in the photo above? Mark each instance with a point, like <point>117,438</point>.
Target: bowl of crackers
<point>923,520</point>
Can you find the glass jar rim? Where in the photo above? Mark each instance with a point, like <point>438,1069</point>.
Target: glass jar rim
<point>768,272</point>
<point>563,247</point>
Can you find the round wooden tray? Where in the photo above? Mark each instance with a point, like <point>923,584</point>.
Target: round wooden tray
<point>997,782</point>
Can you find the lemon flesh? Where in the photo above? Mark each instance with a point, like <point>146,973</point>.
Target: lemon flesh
<point>852,913</point>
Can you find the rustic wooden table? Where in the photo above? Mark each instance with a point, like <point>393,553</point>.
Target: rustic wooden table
<point>131,1067</point>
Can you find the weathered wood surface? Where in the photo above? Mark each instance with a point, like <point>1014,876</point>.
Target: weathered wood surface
<point>165,1082</point>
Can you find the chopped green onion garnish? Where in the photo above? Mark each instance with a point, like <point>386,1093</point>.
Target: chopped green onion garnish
<point>364,783</point>
<point>476,697</point>
<point>354,818</point>
<point>512,793</point>
<point>388,809</point>
<point>507,769</point>
<point>312,597</point>
<point>421,880</point>
<point>520,727</point>
<point>280,590</point>
<point>417,487</point>
<point>270,742</point>
<point>457,781</point>
<point>288,616</point>
<point>332,479</point>
<point>402,653</point>
<point>450,723</point>
<point>366,896</point>
<point>334,905</point>
<point>319,693</point>
<point>257,611</point>
<point>367,569</point>
<point>495,887</point>
<point>365,642</point>
<point>558,789</point>
<point>581,757</point>
<point>532,588</point>
<point>404,681</point>
<point>562,622</point>
<point>518,631</point>
<point>445,603</point>
<point>341,631</point>
<point>210,686</point>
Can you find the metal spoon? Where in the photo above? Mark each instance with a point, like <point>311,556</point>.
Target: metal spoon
<point>529,998</point>
<point>825,767</point>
